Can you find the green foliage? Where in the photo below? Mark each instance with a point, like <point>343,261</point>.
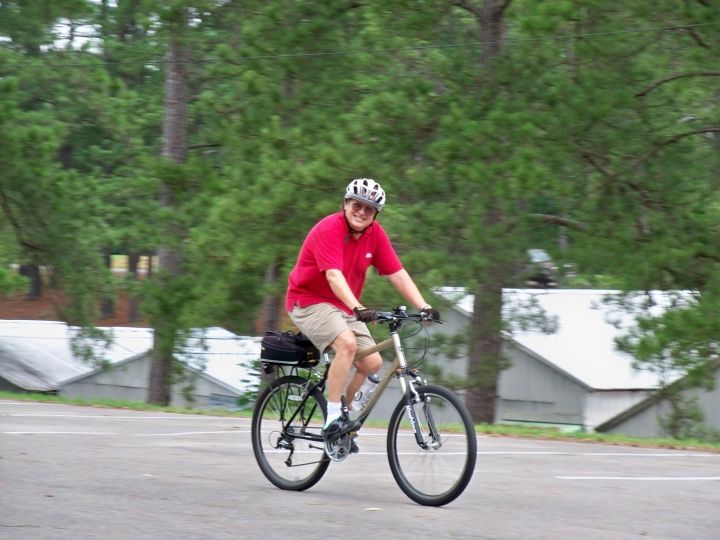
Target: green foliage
<point>89,344</point>
<point>684,419</point>
<point>10,281</point>
<point>586,115</point>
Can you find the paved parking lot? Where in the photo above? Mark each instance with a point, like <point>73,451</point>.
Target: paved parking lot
<point>69,472</point>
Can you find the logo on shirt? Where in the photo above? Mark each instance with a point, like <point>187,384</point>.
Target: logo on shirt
<point>368,255</point>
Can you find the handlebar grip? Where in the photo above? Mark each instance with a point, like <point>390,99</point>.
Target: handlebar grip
<point>365,315</point>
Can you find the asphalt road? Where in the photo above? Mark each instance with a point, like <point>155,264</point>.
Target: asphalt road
<point>69,472</point>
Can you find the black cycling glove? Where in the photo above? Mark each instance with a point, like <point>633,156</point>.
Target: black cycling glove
<point>365,315</point>
<point>430,313</point>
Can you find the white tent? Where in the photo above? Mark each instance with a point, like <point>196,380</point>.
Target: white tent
<point>38,356</point>
<point>575,375</point>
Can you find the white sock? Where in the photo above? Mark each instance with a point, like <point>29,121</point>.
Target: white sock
<point>334,410</point>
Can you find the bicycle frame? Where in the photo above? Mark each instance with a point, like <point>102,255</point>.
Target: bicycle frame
<point>398,369</point>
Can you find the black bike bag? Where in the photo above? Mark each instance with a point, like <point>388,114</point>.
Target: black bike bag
<point>289,349</point>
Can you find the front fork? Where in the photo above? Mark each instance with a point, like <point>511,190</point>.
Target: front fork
<point>409,379</point>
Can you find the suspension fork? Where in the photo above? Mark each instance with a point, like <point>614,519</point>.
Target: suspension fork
<point>407,383</point>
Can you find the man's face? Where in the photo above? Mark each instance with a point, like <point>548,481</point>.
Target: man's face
<point>359,215</point>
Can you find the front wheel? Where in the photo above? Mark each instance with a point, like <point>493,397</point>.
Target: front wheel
<point>283,427</point>
<point>439,469</point>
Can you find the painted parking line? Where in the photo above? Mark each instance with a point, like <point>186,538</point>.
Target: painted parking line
<point>180,433</point>
<point>597,454</point>
<point>22,403</point>
<point>366,435</point>
<point>645,478</point>
<point>112,416</point>
<point>57,433</point>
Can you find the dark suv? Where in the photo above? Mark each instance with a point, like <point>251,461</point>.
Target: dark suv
<point>541,271</point>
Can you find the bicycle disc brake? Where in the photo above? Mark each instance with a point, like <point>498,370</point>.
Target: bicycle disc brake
<point>340,449</point>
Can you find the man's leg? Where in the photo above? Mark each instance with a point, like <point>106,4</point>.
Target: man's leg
<point>366,366</point>
<point>345,347</point>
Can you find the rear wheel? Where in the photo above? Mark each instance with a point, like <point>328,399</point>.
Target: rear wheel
<point>437,471</point>
<point>288,461</point>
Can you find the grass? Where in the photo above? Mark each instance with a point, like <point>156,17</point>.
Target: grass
<point>497,430</point>
<point>531,432</point>
<point>119,404</point>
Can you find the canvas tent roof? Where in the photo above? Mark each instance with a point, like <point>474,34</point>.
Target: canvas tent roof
<point>37,355</point>
<point>583,346</point>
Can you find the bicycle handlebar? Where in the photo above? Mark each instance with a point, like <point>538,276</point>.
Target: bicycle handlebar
<point>400,313</point>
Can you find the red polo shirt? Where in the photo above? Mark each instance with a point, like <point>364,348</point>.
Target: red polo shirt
<point>330,245</point>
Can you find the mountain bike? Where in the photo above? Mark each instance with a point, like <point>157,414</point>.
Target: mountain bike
<point>431,442</point>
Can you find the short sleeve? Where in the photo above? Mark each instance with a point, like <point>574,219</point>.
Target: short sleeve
<point>328,247</point>
<point>386,260</point>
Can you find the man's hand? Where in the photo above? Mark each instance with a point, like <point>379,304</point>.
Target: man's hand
<point>364,314</point>
<point>429,313</point>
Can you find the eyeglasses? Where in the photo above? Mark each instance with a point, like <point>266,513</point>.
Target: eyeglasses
<point>362,208</point>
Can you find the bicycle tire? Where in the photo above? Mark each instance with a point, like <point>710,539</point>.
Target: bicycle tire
<point>438,474</point>
<point>279,456</point>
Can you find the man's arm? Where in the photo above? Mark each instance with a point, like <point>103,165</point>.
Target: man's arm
<point>402,281</point>
<point>342,290</point>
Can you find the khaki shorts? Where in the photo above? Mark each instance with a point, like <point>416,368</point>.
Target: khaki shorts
<point>322,323</point>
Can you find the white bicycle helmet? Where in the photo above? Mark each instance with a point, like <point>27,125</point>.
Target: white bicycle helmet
<point>368,191</point>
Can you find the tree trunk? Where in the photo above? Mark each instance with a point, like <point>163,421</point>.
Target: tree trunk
<point>489,16</point>
<point>133,261</point>
<point>269,313</point>
<point>485,360</point>
<point>492,29</point>
<point>485,356</point>
<point>270,310</point>
<point>169,254</point>
<point>107,304</point>
<point>160,383</point>
<point>32,272</point>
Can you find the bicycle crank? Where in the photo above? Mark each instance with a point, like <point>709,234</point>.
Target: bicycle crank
<point>339,449</point>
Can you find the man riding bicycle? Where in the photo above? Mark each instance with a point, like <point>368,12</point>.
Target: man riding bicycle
<point>326,283</point>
